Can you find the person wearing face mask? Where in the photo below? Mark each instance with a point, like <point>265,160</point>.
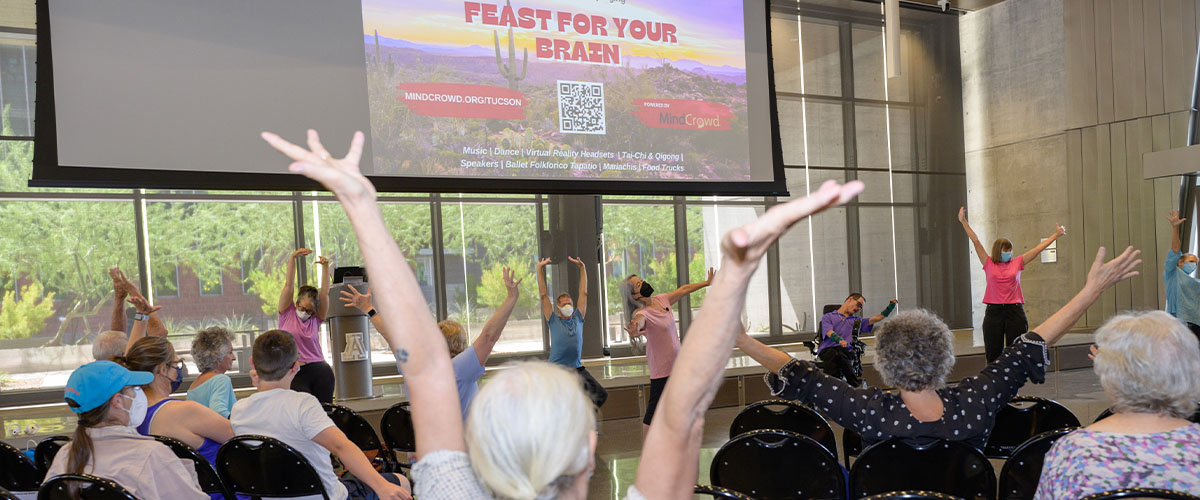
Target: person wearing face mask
<point>302,318</point>
<point>1004,320</point>
<point>1179,279</point>
<point>839,329</point>
<point>109,403</point>
<point>188,421</point>
<point>649,315</point>
<point>565,321</point>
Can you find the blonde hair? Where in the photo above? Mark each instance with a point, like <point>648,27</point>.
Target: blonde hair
<point>1149,362</point>
<point>456,336</point>
<point>529,431</point>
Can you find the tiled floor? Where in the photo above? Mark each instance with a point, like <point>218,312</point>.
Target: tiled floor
<point>620,440</point>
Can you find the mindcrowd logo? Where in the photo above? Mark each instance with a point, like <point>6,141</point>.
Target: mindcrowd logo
<point>683,114</point>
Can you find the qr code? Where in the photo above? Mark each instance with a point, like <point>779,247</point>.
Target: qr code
<point>581,107</point>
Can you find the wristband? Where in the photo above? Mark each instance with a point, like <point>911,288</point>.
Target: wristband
<point>888,310</point>
<point>371,313</point>
<point>140,317</point>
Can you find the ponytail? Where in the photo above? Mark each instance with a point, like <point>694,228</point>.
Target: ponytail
<point>81,444</point>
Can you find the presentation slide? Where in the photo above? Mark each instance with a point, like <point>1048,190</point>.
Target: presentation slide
<point>492,95</point>
<point>559,89</point>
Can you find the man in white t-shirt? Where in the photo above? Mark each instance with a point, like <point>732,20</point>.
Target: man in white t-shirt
<point>297,419</point>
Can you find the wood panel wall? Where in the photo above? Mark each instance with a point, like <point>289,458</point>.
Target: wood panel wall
<point>1129,72</point>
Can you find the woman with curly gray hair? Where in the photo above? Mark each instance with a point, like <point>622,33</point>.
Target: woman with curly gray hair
<point>212,349</point>
<point>914,353</point>
<point>1149,366</point>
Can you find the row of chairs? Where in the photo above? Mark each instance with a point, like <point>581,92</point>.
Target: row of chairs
<point>242,462</point>
<point>771,433</point>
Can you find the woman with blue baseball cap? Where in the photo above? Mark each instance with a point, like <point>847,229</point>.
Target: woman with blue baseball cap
<point>110,405</point>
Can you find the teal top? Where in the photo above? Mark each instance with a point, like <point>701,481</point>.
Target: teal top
<point>1183,290</point>
<point>215,393</point>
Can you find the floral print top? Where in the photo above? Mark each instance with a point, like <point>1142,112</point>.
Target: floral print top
<point>1085,462</point>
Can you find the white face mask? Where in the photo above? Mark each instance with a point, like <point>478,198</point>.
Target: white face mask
<point>137,407</point>
<point>303,315</point>
<point>567,310</point>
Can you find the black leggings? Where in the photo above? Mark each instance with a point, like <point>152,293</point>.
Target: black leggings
<point>1002,324</point>
<point>315,378</point>
<point>656,389</point>
<point>838,362</point>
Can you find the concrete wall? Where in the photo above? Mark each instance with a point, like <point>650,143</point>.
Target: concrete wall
<point>1060,100</point>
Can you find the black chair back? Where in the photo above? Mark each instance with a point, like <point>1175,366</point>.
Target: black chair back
<point>1142,493</point>
<point>1014,425</point>
<point>210,481</point>
<point>17,472</point>
<point>354,426</point>
<point>44,453</point>
<point>1021,472</point>
<point>82,487</point>
<point>776,464</point>
<point>950,467</point>
<point>718,492</point>
<point>266,467</point>
<point>397,429</point>
<point>785,415</point>
<point>851,445</point>
<point>828,308</point>
<point>5,495</point>
<point>912,495</point>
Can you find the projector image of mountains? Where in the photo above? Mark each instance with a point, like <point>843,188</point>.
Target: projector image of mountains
<point>410,144</point>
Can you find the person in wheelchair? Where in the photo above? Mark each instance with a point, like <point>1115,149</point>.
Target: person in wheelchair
<point>839,347</point>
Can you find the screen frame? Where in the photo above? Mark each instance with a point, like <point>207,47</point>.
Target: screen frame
<point>49,173</point>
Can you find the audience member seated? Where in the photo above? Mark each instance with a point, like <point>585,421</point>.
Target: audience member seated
<point>109,403</point>
<point>531,430</point>
<point>468,360</point>
<point>914,353</point>
<point>212,349</point>
<point>187,421</point>
<point>108,345</point>
<point>297,419</point>
<point>1149,366</point>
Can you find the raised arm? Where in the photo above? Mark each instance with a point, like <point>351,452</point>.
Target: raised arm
<point>687,289</point>
<point>119,294</point>
<point>1176,223</point>
<point>362,302</point>
<point>770,358</point>
<point>495,324</point>
<point>581,300</point>
<point>668,466</point>
<point>323,297</point>
<point>885,313</point>
<point>289,282</point>
<point>155,326</point>
<point>421,352</point>
<point>1101,277</point>
<point>547,306</point>
<point>980,251</point>
<point>144,310</point>
<point>1032,254</point>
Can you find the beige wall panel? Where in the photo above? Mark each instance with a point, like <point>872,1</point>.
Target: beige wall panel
<point>1120,208</point>
<point>1152,32</point>
<point>1137,214</point>
<point>1175,73</point>
<point>1128,58</point>
<point>1104,60</point>
<point>1080,44</point>
<point>1072,247</point>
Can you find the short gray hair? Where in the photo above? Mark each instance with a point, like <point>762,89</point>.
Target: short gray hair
<point>210,346</point>
<point>914,351</point>
<point>529,431</point>
<point>1149,362</point>
<point>109,344</point>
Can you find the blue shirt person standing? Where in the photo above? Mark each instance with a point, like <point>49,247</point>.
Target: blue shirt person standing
<point>1182,287</point>
<point>838,333</point>
<point>565,321</point>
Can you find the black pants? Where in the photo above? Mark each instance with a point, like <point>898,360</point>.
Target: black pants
<point>656,389</point>
<point>1195,330</point>
<point>1002,324</point>
<point>592,387</point>
<point>357,489</point>
<point>837,362</point>
<point>315,378</point>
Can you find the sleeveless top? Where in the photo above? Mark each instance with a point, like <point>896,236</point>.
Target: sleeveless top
<point>662,338</point>
<point>208,449</point>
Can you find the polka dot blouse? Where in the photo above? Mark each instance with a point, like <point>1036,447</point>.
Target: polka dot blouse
<point>969,407</point>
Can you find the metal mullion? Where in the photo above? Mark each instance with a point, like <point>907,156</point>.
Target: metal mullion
<point>437,245</point>
<point>792,96</point>
<point>201,198</point>
<point>36,196</point>
<point>298,234</point>
<point>681,263</point>
<point>850,154</point>
<point>142,238</point>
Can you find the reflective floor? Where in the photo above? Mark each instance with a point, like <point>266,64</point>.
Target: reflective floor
<point>619,445</point>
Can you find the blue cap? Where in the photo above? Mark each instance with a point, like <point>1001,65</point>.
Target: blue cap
<point>93,384</point>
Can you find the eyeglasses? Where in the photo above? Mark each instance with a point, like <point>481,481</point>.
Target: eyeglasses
<point>178,365</point>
